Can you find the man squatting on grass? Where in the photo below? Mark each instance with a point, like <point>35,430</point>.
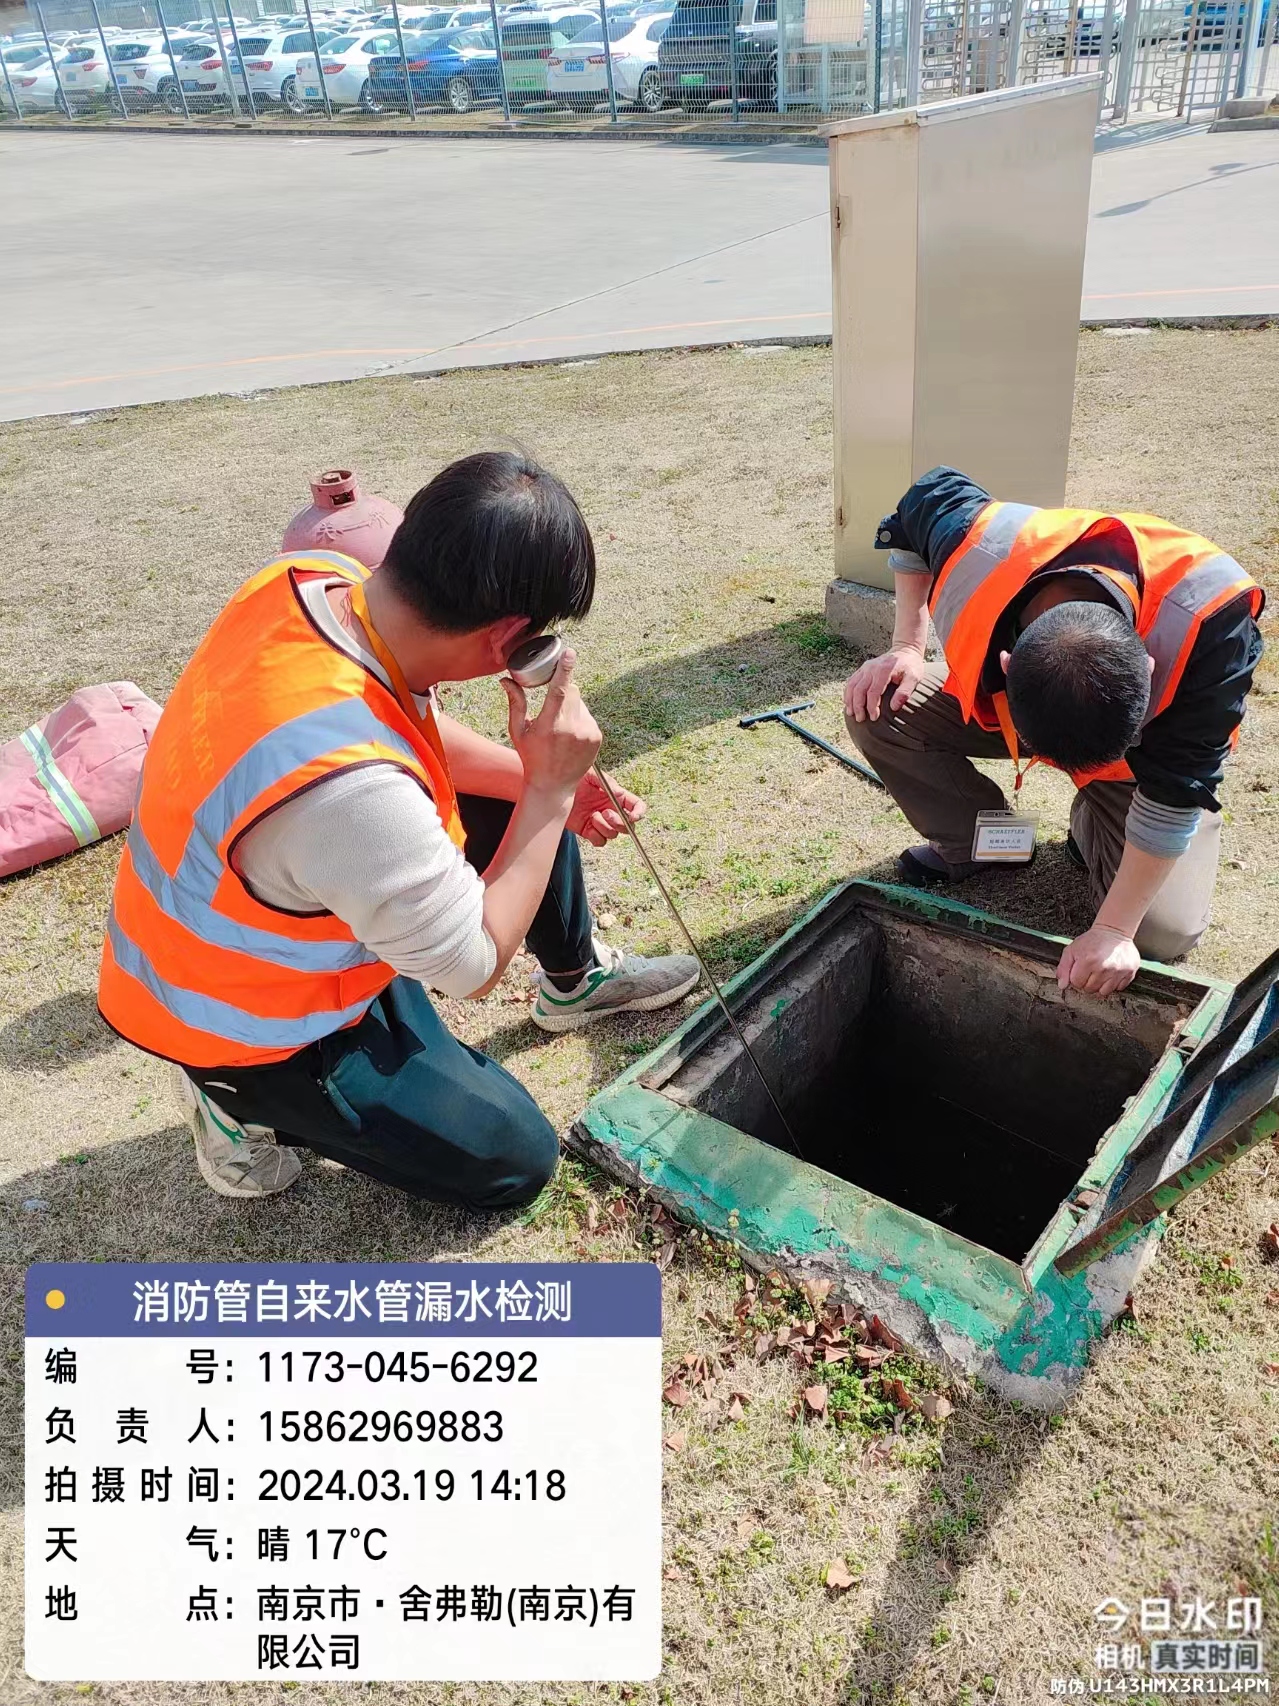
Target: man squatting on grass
<point>1115,647</point>
<point>316,845</point>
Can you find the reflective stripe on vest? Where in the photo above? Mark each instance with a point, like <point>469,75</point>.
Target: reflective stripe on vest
<point>219,1018</point>
<point>188,895</point>
<point>1181,610</point>
<point>194,966</point>
<point>976,557</point>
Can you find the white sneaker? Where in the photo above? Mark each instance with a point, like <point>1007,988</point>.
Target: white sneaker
<point>620,983</point>
<point>235,1160</point>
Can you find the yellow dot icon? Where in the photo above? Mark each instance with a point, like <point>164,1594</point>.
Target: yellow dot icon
<point>55,1299</point>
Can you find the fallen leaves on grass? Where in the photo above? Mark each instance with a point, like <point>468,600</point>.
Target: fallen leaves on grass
<point>839,1577</point>
<point>898,1391</point>
<point>815,1400</point>
<point>675,1442</point>
<point>676,1395</point>
<point>935,1406</point>
<point>1270,1242</point>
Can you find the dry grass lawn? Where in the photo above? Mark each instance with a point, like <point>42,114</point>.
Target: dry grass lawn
<point>706,478</point>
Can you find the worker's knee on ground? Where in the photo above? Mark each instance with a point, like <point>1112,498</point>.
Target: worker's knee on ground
<point>516,1166</point>
<point>1168,939</point>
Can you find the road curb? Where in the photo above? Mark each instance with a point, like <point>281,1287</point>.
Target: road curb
<point>735,137</point>
<point>1260,121</point>
<point>1185,323</point>
<point>783,340</point>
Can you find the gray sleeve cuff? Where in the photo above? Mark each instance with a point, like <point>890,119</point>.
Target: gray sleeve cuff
<point>907,563</point>
<point>1164,831</point>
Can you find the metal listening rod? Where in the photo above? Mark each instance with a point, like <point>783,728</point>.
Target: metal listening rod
<point>532,664</point>
<point>714,987</point>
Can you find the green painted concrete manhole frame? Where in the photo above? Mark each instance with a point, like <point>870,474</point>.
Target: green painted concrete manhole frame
<point>1025,1327</point>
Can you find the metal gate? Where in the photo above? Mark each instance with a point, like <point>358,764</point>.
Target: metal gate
<point>1178,57</point>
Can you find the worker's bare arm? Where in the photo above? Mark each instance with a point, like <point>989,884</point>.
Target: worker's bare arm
<point>1105,958</point>
<point>902,666</point>
<point>555,750</point>
<point>482,766</point>
<point>479,765</point>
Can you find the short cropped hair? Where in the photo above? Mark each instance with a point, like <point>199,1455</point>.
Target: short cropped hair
<point>1079,685</point>
<point>493,535</point>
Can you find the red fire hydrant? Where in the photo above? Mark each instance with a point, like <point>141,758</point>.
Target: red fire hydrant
<point>341,518</point>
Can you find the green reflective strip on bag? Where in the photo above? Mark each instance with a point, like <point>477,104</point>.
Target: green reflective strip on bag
<point>59,790</point>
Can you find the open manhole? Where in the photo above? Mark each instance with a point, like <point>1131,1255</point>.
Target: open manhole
<point>985,1159</point>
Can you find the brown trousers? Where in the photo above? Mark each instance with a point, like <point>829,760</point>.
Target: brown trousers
<point>922,753</point>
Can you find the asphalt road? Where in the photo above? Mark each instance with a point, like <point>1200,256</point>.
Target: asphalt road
<point>146,267</point>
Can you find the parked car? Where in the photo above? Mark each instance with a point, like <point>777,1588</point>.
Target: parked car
<point>203,80</point>
<point>1207,26</point>
<point>426,23</point>
<point>1079,33</point>
<point>580,75</point>
<point>24,53</point>
<point>458,67</point>
<point>35,87</point>
<point>211,26</point>
<point>696,56</point>
<point>271,64</point>
<point>85,73</point>
<point>345,64</point>
<point>150,80</point>
<point>141,64</point>
<point>529,40</point>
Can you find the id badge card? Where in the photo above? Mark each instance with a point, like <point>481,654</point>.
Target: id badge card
<point>1006,838</point>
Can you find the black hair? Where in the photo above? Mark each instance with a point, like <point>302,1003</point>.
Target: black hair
<point>493,535</point>
<point>1079,685</point>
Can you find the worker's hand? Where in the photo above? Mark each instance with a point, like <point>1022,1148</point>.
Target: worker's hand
<point>1100,961</point>
<point>903,669</point>
<point>558,746</point>
<point>594,816</point>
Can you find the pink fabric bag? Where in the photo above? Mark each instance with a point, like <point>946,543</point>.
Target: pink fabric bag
<point>72,777</point>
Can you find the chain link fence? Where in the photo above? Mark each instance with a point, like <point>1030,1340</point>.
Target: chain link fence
<point>646,62</point>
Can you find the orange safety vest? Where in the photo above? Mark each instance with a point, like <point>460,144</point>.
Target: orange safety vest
<point>1181,580</point>
<point>193,967</point>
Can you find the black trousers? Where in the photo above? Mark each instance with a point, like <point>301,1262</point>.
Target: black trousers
<point>397,1096</point>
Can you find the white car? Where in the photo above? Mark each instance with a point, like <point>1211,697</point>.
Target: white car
<point>35,87</point>
<point>21,53</point>
<point>84,71</point>
<point>345,63</point>
<point>578,74</point>
<point>211,26</point>
<point>272,64</point>
<point>28,57</point>
<point>146,76</point>
<point>203,79</point>
<point>141,65</point>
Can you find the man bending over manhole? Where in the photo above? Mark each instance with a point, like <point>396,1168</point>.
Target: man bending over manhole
<point>316,844</point>
<point>1118,648</point>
